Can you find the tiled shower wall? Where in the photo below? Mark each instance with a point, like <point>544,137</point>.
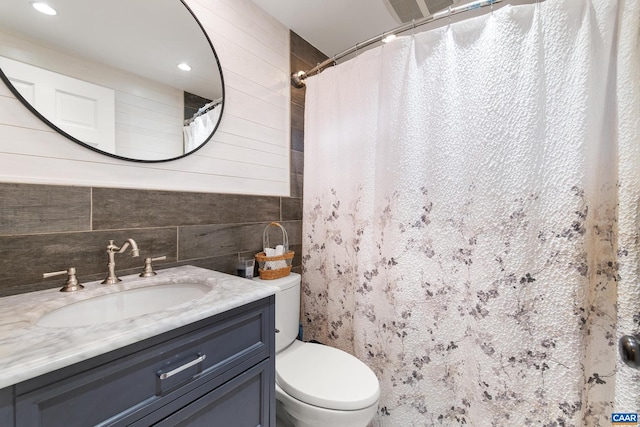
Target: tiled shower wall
<point>47,228</point>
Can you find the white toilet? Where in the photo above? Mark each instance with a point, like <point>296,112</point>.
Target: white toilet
<point>316,385</point>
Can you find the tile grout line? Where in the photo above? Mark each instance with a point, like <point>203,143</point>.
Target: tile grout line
<point>177,243</point>
<point>91,209</point>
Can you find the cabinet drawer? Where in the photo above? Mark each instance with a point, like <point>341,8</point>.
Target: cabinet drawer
<point>242,402</point>
<point>119,392</point>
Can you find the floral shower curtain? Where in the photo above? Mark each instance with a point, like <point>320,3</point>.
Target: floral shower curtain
<point>471,216</point>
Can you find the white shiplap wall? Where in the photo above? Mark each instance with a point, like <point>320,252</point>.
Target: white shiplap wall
<point>249,154</point>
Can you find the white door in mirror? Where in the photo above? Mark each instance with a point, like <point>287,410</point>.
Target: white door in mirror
<point>84,110</point>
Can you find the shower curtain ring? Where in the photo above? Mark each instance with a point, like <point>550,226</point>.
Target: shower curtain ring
<point>449,15</point>
<point>413,28</point>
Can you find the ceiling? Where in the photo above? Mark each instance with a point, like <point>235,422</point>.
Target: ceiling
<point>329,24</point>
<point>333,26</point>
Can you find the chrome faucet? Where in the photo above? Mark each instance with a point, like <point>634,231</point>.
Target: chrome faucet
<point>112,250</point>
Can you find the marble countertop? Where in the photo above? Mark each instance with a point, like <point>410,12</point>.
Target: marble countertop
<point>28,350</point>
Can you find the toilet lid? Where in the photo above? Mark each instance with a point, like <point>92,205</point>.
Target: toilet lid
<point>326,377</point>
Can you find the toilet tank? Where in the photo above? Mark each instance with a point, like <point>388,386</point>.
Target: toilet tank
<point>287,308</point>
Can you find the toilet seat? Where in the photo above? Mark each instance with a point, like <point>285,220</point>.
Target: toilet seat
<point>326,377</point>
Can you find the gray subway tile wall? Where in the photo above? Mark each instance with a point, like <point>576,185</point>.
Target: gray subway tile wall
<point>47,228</point>
<point>208,230</point>
<point>118,208</point>
<point>29,209</point>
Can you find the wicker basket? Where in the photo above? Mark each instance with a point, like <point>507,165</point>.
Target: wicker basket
<point>274,267</point>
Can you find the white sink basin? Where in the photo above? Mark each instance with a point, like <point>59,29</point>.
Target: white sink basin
<point>123,305</point>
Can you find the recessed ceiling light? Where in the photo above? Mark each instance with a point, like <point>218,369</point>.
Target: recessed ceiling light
<point>184,67</point>
<point>388,38</point>
<point>44,8</point>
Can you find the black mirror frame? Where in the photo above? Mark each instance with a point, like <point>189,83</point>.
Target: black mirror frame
<point>6,81</point>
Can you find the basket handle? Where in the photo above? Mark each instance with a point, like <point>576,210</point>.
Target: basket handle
<point>285,236</point>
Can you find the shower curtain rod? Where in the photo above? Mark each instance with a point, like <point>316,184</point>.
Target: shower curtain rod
<point>297,78</point>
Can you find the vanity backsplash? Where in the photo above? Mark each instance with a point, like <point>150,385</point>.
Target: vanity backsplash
<point>46,228</point>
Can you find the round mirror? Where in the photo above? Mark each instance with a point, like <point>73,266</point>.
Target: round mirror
<point>136,80</point>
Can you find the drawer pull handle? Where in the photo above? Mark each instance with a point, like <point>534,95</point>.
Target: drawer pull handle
<point>166,375</point>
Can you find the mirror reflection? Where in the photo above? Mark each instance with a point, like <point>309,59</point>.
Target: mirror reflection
<point>137,80</point>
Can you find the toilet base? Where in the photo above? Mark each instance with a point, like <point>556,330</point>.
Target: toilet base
<point>291,412</point>
<point>282,418</point>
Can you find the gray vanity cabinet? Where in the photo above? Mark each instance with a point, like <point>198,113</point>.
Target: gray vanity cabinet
<point>6,407</point>
<point>216,372</point>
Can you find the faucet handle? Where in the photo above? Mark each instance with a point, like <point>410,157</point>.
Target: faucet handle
<point>148,268</point>
<point>72,284</point>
